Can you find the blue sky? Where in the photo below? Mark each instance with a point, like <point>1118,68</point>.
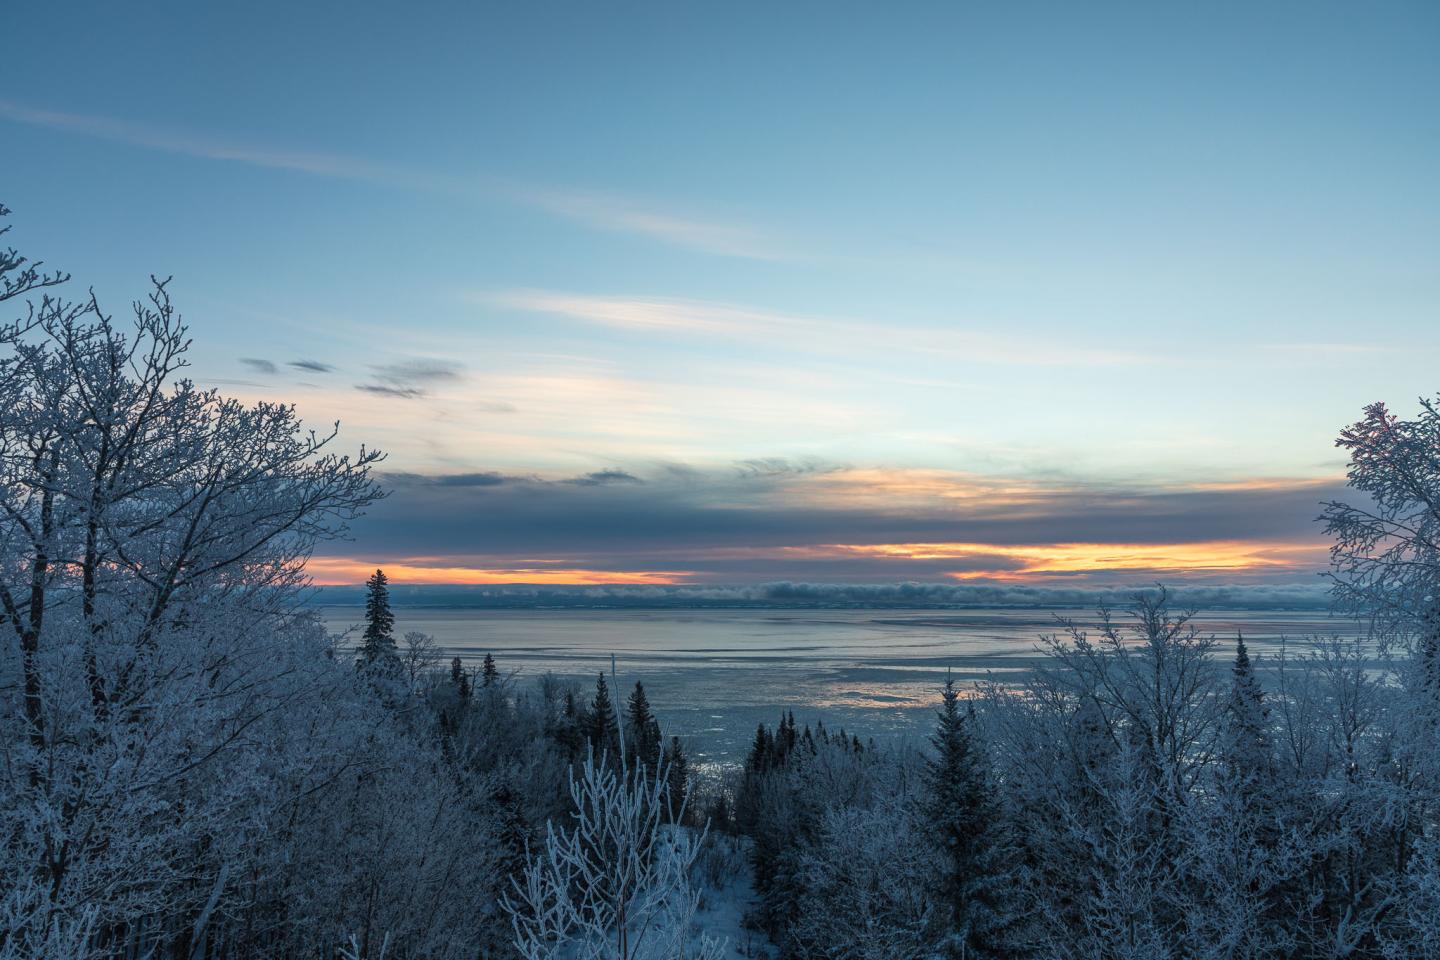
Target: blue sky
<point>913,258</point>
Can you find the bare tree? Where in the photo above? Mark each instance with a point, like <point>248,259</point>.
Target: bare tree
<point>420,655</point>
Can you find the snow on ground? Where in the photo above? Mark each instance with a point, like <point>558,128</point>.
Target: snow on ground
<point>727,895</point>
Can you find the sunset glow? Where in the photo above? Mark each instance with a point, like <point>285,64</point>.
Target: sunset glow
<point>985,561</point>
<point>1071,558</point>
<point>721,481</point>
<point>331,571</point>
<point>615,330</point>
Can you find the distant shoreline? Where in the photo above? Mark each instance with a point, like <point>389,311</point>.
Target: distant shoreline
<point>1309,596</point>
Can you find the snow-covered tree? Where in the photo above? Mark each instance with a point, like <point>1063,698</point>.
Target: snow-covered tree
<point>1386,556</point>
<point>31,928</point>
<point>615,883</point>
<point>1245,750</point>
<point>960,810</point>
<point>190,771</point>
<point>865,888</point>
<point>419,656</point>
<point>1103,757</point>
<point>152,537</point>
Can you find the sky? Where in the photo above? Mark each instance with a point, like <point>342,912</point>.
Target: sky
<point>682,293</point>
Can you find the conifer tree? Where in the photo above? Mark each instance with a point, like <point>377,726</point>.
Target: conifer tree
<point>571,729</point>
<point>453,706</point>
<point>757,763</point>
<point>718,814</point>
<point>762,750</point>
<point>378,643</point>
<point>604,730</point>
<point>489,675</point>
<point>513,833</point>
<point>960,810</point>
<point>1246,752</point>
<point>459,679</point>
<point>785,735</point>
<point>1245,861</point>
<point>642,731</point>
<point>677,773</point>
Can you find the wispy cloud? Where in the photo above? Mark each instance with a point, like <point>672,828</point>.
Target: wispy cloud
<point>423,371</point>
<point>620,215</point>
<point>596,210</point>
<point>213,148</point>
<point>768,328</point>
<point>410,379</point>
<point>259,365</point>
<point>400,393</point>
<point>311,366</point>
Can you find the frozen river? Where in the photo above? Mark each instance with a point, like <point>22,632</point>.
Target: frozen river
<point>713,674</point>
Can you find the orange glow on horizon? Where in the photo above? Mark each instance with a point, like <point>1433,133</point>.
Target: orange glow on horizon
<point>1270,483</point>
<point>990,561</point>
<point>342,571</point>
<point>1036,561</point>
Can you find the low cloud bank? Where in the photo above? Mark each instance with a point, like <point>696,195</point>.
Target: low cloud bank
<point>787,594</point>
<point>684,514</point>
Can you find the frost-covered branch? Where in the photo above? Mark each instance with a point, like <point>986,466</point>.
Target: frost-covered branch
<point>615,883</point>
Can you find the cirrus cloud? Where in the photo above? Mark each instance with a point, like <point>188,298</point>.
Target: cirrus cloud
<point>962,342</point>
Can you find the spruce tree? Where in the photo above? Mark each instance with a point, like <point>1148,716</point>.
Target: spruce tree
<point>747,798</point>
<point>452,708</point>
<point>459,680</point>
<point>1246,751</point>
<point>489,675</point>
<point>717,814</point>
<point>1248,797</point>
<point>642,732</point>
<point>761,750</point>
<point>677,779</point>
<point>512,834</point>
<point>378,643</point>
<point>960,810</point>
<point>604,732</point>
<point>785,735</point>
<point>571,729</point>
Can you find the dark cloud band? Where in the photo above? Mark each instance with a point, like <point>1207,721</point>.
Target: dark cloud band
<point>737,528</point>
